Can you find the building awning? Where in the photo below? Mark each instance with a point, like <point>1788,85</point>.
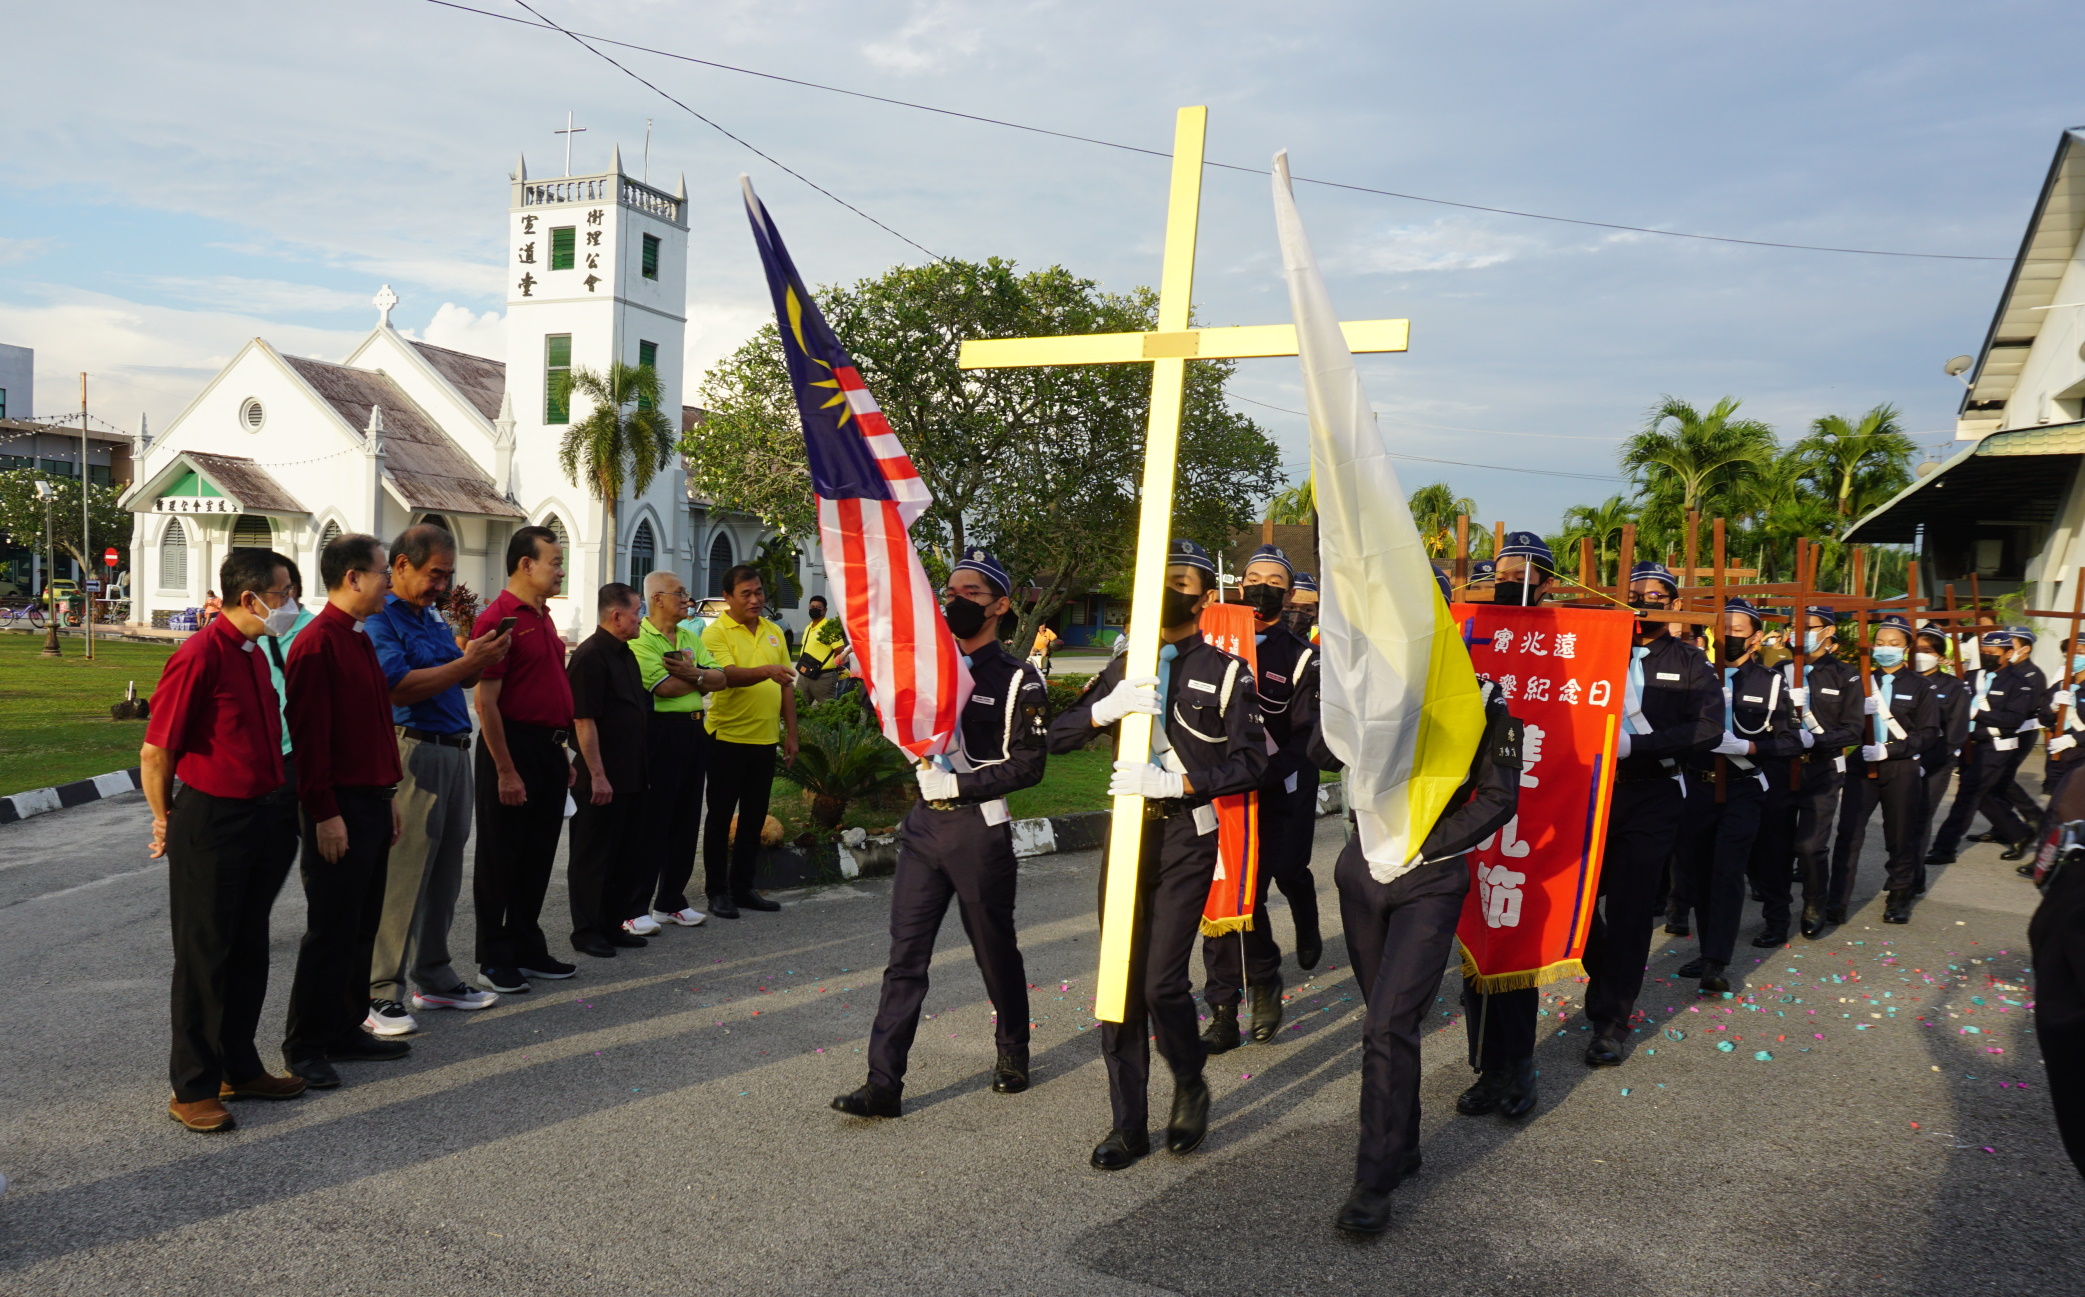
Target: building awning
<point>193,482</point>
<point>2007,478</point>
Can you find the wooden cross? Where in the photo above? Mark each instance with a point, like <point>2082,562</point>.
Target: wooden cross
<point>1167,349</point>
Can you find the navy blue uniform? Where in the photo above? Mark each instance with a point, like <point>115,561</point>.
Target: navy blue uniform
<point>1805,792</point>
<point>1717,845</point>
<point>2001,703</point>
<point>1906,730</point>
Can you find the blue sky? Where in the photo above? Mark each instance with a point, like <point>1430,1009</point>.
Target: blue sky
<point>175,180</point>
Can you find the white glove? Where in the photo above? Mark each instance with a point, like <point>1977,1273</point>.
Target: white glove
<point>1874,753</point>
<point>1733,746</point>
<point>937,785</point>
<point>1809,739</point>
<point>1872,705</point>
<point>2063,698</point>
<point>1800,696</point>
<point>2062,743</point>
<point>1142,779</point>
<point>1138,695</point>
<point>1621,747</point>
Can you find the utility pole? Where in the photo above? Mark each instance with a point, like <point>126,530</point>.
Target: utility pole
<point>87,593</point>
<point>49,496</point>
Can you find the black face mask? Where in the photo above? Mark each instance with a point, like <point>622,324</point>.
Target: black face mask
<point>964,617</point>
<point>1992,661</point>
<point>1179,606</point>
<point>1299,621</point>
<point>1735,647</point>
<point>1264,600</point>
<point>1518,593</point>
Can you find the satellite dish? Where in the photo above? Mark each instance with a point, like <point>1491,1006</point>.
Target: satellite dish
<point>1928,469</point>
<point>1958,366</point>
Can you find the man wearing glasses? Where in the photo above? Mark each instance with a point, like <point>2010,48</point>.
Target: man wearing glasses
<point>347,770</point>
<point>677,671</point>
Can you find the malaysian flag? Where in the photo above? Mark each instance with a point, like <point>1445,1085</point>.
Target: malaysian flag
<point>869,494</point>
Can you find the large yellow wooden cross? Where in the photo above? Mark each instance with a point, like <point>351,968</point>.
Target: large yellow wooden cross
<point>1168,349</point>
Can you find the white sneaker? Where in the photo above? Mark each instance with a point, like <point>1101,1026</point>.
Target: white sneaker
<point>465,997</point>
<point>687,918</point>
<point>389,1018</point>
<point>641,926</point>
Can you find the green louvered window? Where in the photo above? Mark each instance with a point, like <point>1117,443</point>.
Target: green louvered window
<point>647,358</point>
<point>651,256</point>
<point>557,371</point>
<point>564,243</point>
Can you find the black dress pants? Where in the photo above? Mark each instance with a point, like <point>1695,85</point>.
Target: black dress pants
<point>226,859</point>
<point>944,856</point>
<point>1677,885</point>
<point>1643,822</point>
<point>1795,839</point>
<point>675,761</point>
<point>741,778</point>
<point>1249,956</point>
<point>516,846</point>
<point>1399,934</point>
<point>1298,835</point>
<point>1935,780</point>
<point>1172,888</point>
<point>1983,769</point>
<point>606,874</point>
<point>2056,938</point>
<point>2008,793</point>
<point>344,900</point>
<point>1900,790</point>
<point>1715,851</point>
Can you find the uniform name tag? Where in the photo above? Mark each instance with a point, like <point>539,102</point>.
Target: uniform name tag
<point>1833,692</point>
<point>1995,692</point>
<point>1280,680</point>
<point>1202,685</point>
<point>1667,675</point>
<point>1753,699</point>
<point>982,701</point>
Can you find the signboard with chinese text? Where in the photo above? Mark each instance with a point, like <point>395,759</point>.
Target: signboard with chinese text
<point>1562,673</point>
<point>196,504</point>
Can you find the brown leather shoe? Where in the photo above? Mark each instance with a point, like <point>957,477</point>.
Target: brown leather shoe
<point>265,1086</point>
<point>204,1114</point>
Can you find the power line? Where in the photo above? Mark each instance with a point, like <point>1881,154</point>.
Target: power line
<point>1156,153</point>
<point>1444,427</point>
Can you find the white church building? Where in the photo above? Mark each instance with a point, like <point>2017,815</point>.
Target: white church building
<point>285,452</point>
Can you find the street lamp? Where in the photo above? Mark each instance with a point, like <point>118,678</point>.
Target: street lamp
<point>49,495</point>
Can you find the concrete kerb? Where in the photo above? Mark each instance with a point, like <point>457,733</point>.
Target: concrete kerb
<point>40,801</point>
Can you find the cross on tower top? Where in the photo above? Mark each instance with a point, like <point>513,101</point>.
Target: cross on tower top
<point>569,131</point>
<point>384,300</point>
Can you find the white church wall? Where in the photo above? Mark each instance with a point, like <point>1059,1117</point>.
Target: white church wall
<point>2051,386</point>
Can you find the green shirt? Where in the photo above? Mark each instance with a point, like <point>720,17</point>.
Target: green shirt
<point>751,714</point>
<point>651,648</point>
<point>278,651</point>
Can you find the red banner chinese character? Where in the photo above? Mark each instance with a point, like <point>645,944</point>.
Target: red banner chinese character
<point>1230,627</point>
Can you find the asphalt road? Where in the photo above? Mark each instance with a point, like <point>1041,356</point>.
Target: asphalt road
<point>658,1124</point>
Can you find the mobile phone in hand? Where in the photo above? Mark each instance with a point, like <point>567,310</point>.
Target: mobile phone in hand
<point>506,626</point>
<point>676,655</point>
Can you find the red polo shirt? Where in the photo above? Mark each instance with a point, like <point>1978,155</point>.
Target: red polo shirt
<point>215,710</point>
<point>340,713</point>
<point>533,688</point>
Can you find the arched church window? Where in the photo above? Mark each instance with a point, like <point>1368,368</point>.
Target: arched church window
<point>173,557</point>
<point>719,564</point>
<point>327,537</point>
<point>557,529</point>
<point>437,520</point>
<point>642,553</point>
<point>252,532</point>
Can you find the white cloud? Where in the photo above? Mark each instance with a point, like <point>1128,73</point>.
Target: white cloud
<point>715,330</point>
<point>1443,245</point>
<point>261,296</point>
<point>12,250</point>
<point>937,32</point>
<point>454,327</point>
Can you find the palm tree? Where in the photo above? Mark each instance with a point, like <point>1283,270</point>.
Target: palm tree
<point>1686,460</point>
<point>1603,522</point>
<point>623,441</point>
<point>1858,465</point>
<point>1434,511</point>
<point>1294,507</point>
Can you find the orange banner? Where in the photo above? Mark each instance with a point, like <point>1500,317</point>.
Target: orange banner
<point>1231,627</point>
<point>1563,672</point>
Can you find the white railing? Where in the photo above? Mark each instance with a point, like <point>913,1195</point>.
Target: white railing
<point>598,189</point>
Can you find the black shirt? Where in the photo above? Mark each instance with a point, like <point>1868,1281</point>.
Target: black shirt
<point>1212,719</point>
<point>2016,695</point>
<point>1913,706</point>
<point>1287,680</point>
<point>1002,725</point>
<point>1835,706</point>
<point>1953,697</point>
<point>1682,704</point>
<point>1756,708</point>
<point>608,689</point>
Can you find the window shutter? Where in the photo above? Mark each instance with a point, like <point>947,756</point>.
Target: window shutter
<point>564,243</point>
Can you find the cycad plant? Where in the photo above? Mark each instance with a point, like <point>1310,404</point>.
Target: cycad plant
<point>842,757</point>
<point>623,441</point>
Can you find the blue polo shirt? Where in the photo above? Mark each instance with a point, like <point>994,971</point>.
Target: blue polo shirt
<point>409,638</point>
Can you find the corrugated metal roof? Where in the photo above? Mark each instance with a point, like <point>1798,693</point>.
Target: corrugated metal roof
<point>2048,439</point>
<point>2027,486</point>
<point>245,481</point>
<point>2045,252</point>
<point>424,466</point>
<point>479,380</point>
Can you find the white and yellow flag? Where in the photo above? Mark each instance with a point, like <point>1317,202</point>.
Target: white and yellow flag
<point>1400,702</point>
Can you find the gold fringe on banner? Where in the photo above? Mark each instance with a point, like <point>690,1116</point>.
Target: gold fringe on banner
<point>1217,927</point>
<point>1490,983</point>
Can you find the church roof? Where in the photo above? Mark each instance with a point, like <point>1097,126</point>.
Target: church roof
<point>424,466</point>
<point>479,380</point>
<point>243,480</point>
<point>2053,237</point>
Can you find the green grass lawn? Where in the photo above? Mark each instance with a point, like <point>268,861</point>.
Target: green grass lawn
<point>54,712</point>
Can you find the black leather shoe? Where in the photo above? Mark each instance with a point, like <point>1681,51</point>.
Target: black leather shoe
<point>1120,1150</point>
<point>1918,885</point>
<point>1190,1119</point>
<point>1985,837</point>
<point>1365,1212</point>
<point>1676,924</point>
<point>369,1049</point>
<point>1771,937</point>
<point>1482,1097</point>
<point>1410,1167</point>
<point>722,908</point>
<point>1222,1035</point>
<point>871,1100</point>
<point>1605,1051</point>
<point>1713,982</point>
<point>1692,968</point>
<point>1835,915</point>
<point>1813,922</point>
<point>1517,1100</point>
<point>1310,948</point>
<point>504,978</point>
<point>754,901</point>
<point>598,947</point>
<point>1896,908</point>
<point>318,1074</point>
<point>544,966</point>
<point>1939,857</point>
<point>1266,1010</point>
<point>2024,871</point>
<point>2018,850</point>
<point>1757,896</point>
<point>627,940</point>
<point>1010,1074</point>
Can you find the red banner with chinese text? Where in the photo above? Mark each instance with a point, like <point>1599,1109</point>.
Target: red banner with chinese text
<point>1230,627</point>
<point>1562,672</point>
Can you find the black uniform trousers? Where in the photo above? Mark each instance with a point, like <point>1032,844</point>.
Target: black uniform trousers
<point>1797,827</point>
<point>1716,849</point>
<point>344,903</point>
<point>1399,934</point>
<point>1293,877</point>
<point>1901,790</point>
<point>2008,793</point>
<point>2056,938</point>
<point>1500,1025</point>
<point>516,845</point>
<point>741,778</point>
<point>226,859</point>
<point>1250,957</point>
<point>1643,823</point>
<point>1935,783</point>
<point>607,874</point>
<point>1173,876</point>
<point>945,855</point>
<point>1677,895</point>
<point>2056,767</point>
<point>1983,769</point>
<point>676,759</point>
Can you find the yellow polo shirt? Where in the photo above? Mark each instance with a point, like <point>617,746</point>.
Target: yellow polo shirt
<point>822,654</point>
<point>650,649</point>
<point>752,714</point>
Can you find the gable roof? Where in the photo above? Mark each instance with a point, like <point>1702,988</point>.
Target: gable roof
<point>478,380</point>
<point>2045,253</point>
<point>424,466</point>
<point>233,477</point>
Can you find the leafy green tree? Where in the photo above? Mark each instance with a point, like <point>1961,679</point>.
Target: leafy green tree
<point>22,517</point>
<point>1603,522</point>
<point>1296,506</point>
<point>1858,465</point>
<point>1686,460</point>
<point>624,440</point>
<point>1435,509</point>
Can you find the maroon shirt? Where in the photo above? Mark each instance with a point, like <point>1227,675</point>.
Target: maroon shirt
<point>215,710</point>
<point>340,713</point>
<point>533,688</point>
